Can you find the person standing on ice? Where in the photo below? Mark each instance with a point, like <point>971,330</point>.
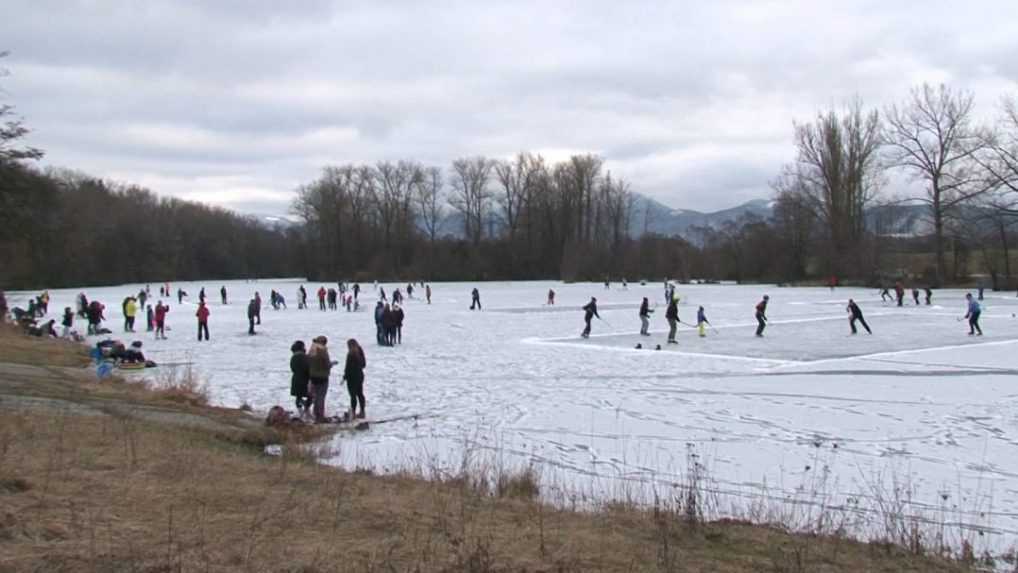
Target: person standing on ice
<point>321,298</point>
<point>398,316</point>
<point>929,296</point>
<point>974,310</point>
<point>160,316</point>
<point>899,292</point>
<point>142,297</point>
<point>590,311</point>
<point>379,315</point>
<point>180,295</point>
<point>258,308</point>
<point>885,295</point>
<point>915,295</point>
<point>150,319</point>
<point>701,322</point>
<point>410,290</point>
<point>353,373</point>
<point>645,311</point>
<point>356,290</point>
<point>300,376</point>
<point>475,299</point>
<point>130,311</point>
<point>761,315</point>
<point>203,321</point>
<point>855,313</point>
<point>427,293</point>
<point>551,297</point>
<point>201,295</point>
<point>319,367</point>
<point>222,293</point>
<point>672,316</point>
<point>252,311</point>
<point>302,298</point>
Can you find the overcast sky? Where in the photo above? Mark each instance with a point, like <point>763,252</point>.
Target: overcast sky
<point>236,102</point>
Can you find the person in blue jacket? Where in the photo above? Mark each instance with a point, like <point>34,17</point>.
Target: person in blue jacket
<point>974,310</point>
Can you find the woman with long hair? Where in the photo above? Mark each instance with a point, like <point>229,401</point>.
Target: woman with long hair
<point>319,366</point>
<point>353,373</point>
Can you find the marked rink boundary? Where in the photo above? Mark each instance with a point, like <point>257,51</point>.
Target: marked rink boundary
<point>570,341</point>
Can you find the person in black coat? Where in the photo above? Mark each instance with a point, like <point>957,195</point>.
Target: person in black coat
<point>389,326</point>
<point>672,316</point>
<point>353,373</point>
<point>855,313</point>
<point>301,374</point>
<point>252,313</point>
<point>397,312</point>
<point>589,312</point>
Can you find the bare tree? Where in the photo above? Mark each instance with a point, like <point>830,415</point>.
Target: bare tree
<point>837,170</point>
<point>393,194</point>
<point>470,193</point>
<point>12,129</point>
<point>931,136</point>
<point>429,205</point>
<point>517,179</point>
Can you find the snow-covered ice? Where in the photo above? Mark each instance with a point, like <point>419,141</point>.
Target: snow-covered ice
<point>918,400</point>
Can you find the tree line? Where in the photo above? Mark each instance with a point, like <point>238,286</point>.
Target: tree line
<point>525,217</point>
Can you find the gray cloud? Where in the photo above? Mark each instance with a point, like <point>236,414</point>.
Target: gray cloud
<point>238,102</point>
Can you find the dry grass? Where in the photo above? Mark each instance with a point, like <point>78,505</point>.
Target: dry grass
<point>122,492</point>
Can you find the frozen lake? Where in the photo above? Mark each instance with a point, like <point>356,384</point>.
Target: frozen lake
<point>809,407</point>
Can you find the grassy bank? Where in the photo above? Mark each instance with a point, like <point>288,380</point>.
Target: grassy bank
<point>123,477</point>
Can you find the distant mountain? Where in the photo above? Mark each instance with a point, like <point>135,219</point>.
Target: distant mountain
<point>650,216</point>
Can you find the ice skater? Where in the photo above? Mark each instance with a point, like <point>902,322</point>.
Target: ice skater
<point>672,315</point>
<point>645,312</point>
<point>929,296</point>
<point>915,295</point>
<point>590,311</point>
<point>885,295</point>
<point>701,322</point>
<point>761,315</point>
<point>974,310</point>
<point>475,299</point>
<point>222,293</point>
<point>551,297</point>
<point>855,313</point>
<point>899,292</point>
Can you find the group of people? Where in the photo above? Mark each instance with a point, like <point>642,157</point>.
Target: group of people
<point>389,323</point>
<point>310,371</point>
<point>899,294</point>
<point>855,313</point>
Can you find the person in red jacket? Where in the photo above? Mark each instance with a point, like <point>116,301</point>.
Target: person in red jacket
<point>161,310</point>
<point>321,298</point>
<point>203,320</point>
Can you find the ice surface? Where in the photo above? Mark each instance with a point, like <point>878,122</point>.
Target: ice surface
<point>918,400</point>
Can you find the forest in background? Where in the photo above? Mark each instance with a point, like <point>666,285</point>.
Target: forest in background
<point>527,218</point>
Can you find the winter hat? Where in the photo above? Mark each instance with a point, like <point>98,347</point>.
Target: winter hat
<point>297,346</point>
